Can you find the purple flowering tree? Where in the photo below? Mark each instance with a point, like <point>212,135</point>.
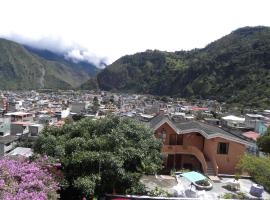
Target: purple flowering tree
<point>21,179</point>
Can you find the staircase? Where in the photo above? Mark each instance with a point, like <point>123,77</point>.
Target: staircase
<point>211,172</point>
<point>210,169</point>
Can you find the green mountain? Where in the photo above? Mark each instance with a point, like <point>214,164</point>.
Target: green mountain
<point>234,69</point>
<point>22,69</point>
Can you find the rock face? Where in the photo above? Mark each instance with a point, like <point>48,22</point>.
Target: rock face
<point>235,68</point>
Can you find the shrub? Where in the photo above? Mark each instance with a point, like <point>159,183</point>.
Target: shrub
<point>258,168</point>
<point>21,179</point>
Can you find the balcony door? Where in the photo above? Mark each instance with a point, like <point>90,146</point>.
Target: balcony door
<point>176,139</point>
<point>172,140</point>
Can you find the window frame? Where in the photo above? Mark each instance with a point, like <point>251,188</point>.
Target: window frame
<point>221,151</point>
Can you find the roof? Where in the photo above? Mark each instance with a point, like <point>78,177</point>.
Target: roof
<point>22,123</point>
<point>193,176</point>
<point>254,115</point>
<point>7,139</point>
<point>18,113</point>
<point>234,118</point>
<point>252,135</point>
<point>22,151</point>
<point>208,131</point>
<point>198,108</point>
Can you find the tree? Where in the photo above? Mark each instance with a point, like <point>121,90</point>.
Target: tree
<point>95,106</point>
<point>264,142</point>
<point>102,156</point>
<point>258,168</point>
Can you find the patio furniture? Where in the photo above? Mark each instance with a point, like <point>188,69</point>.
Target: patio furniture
<point>256,190</point>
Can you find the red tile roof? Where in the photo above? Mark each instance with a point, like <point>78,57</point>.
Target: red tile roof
<point>251,135</point>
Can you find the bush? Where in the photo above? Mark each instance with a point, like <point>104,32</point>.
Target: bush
<point>258,168</point>
<point>21,179</point>
<point>158,192</point>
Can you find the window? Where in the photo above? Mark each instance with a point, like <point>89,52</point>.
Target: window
<point>163,135</point>
<point>223,148</point>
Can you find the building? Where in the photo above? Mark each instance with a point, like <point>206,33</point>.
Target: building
<point>251,120</point>
<point>197,146</point>
<point>19,116</point>
<point>7,144</point>
<point>78,107</point>
<point>233,121</point>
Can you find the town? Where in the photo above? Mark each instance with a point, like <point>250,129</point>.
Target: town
<point>202,136</point>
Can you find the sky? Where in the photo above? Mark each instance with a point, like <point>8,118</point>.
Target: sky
<point>105,30</point>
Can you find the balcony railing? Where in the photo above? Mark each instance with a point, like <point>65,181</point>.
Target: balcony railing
<point>186,149</point>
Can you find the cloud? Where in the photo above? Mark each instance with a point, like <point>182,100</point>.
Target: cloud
<point>70,50</point>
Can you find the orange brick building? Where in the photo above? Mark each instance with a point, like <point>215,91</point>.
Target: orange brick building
<point>197,146</point>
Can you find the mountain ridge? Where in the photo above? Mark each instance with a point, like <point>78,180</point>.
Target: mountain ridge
<point>23,69</point>
<point>234,69</point>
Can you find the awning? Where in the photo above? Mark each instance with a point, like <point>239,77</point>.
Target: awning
<point>193,176</point>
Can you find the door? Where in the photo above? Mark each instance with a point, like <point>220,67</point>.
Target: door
<point>170,161</point>
<point>172,140</point>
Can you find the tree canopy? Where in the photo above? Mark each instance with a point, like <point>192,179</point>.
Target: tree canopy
<point>264,142</point>
<point>258,168</point>
<point>102,156</point>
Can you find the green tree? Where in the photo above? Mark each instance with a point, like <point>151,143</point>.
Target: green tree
<point>96,105</point>
<point>258,168</point>
<point>264,142</point>
<point>102,156</point>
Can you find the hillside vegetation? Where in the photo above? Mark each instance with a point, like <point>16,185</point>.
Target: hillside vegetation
<point>21,69</point>
<point>235,69</point>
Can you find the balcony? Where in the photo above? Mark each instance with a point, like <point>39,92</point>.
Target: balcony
<point>184,149</point>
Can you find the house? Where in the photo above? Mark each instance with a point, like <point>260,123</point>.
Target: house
<point>251,120</point>
<point>20,128</point>
<point>197,146</point>
<point>233,121</point>
<point>19,116</point>
<point>78,107</point>
<point>7,144</point>
<point>261,127</point>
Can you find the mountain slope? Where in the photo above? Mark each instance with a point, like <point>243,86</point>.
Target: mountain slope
<point>235,69</point>
<point>20,69</point>
<point>83,66</point>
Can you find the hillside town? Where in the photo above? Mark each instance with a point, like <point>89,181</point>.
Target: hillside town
<point>199,135</point>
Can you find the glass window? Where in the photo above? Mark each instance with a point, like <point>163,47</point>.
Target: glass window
<point>223,148</point>
<point>163,133</point>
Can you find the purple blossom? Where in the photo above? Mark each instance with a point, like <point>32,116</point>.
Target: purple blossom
<point>20,179</point>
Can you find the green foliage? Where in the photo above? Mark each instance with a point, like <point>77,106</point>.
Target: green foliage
<point>239,195</point>
<point>228,196</point>
<point>264,142</point>
<point>21,69</point>
<point>86,185</point>
<point>234,69</point>
<point>258,168</point>
<point>158,192</point>
<point>90,84</point>
<point>77,117</point>
<point>116,151</point>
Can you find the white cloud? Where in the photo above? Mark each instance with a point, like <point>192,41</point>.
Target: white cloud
<point>106,28</point>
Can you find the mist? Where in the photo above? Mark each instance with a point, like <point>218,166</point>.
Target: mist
<point>70,50</point>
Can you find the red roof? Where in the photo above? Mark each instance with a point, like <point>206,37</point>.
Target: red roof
<point>23,123</point>
<point>198,108</point>
<point>252,135</point>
